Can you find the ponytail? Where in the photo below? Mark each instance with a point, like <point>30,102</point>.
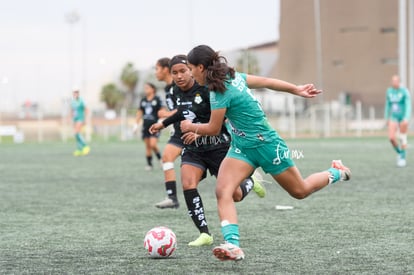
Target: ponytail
<point>218,72</point>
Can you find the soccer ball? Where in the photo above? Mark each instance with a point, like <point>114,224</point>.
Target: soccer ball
<point>160,242</point>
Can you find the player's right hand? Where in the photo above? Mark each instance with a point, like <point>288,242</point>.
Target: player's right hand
<point>189,137</point>
<point>156,127</point>
<point>135,128</point>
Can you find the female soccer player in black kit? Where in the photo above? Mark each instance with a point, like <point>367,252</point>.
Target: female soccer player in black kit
<point>201,153</point>
<point>174,145</point>
<point>148,112</point>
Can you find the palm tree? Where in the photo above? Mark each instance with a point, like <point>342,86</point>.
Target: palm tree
<point>112,96</point>
<point>129,78</point>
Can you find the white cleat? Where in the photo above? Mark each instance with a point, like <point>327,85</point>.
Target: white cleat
<point>228,252</point>
<point>345,171</point>
<point>167,203</point>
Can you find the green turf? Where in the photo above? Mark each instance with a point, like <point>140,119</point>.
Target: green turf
<point>65,215</point>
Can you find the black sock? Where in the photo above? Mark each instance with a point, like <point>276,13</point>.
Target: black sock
<point>246,186</point>
<point>171,188</point>
<point>149,160</point>
<point>158,155</point>
<point>196,209</point>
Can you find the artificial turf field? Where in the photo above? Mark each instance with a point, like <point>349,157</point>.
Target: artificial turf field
<point>61,214</point>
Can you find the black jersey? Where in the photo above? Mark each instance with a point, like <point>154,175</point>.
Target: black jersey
<point>170,99</point>
<point>194,104</point>
<point>150,110</point>
<point>171,102</point>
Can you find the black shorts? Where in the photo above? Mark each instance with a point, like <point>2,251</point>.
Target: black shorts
<point>176,140</point>
<point>147,134</point>
<point>207,160</point>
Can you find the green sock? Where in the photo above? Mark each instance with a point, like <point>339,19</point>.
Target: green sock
<point>230,233</point>
<point>402,153</point>
<point>335,175</point>
<point>79,144</point>
<point>397,149</point>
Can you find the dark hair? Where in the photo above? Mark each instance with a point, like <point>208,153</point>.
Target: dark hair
<point>163,62</point>
<point>218,72</point>
<point>152,86</point>
<point>178,59</point>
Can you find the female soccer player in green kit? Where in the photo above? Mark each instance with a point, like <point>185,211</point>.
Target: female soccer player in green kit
<point>201,154</point>
<point>79,111</point>
<point>397,114</point>
<point>254,142</point>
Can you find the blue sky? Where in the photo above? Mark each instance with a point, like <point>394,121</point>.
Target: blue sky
<point>42,56</point>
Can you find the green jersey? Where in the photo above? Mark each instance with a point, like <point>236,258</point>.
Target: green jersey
<point>397,104</point>
<point>248,123</point>
<point>78,109</point>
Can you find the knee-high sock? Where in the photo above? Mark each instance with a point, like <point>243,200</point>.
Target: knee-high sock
<point>196,209</point>
<point>335,175</point>
<point>171,188</point>
<point>80,141</point>
<point>149,160</point>
<point>246,186</point>
<point>230,233</point>
<point>397,148</point>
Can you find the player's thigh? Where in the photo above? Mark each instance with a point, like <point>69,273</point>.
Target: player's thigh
<point>231,173</point>
<point>392,129</point>
<point>191,176</point>
<point>291,180</point>
<point>404,126</point>
<point>78,126</point>
<point>171,152</point>
<point>153,140</point>
<point>147,142</point>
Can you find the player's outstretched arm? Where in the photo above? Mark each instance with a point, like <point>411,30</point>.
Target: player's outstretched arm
<point>307,90</point>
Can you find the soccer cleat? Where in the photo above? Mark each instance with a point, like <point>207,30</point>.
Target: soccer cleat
<point>401,162</point>
<point>228,251</point>
<point>86,150</point>
<point>203,239</point>
<point>167,203</point>
<point>148,168</point>
<point>345,171</point>
<point>258,188</point>
<point>77,153</point>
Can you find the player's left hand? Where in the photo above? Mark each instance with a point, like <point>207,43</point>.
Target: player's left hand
<point>189,137</point>
<point>185,125</point>
<point>307,91</point>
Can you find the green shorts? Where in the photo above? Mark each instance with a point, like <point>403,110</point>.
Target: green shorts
<point>80,119</point>
<point>396,118</point>
<point>273,157</point>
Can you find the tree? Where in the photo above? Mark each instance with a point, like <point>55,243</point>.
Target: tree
<point>248,63</point>
<point>112,96</point>
<point>129,78</point>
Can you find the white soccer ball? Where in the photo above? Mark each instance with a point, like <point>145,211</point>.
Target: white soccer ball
<point>160,242</point>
